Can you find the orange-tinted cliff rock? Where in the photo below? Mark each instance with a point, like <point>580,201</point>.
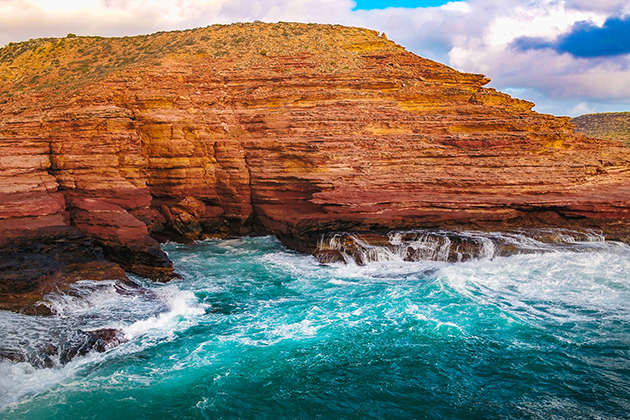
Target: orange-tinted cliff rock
<point>289,129</point>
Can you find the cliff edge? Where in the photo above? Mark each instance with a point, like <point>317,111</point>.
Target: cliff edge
<point>108,146</point>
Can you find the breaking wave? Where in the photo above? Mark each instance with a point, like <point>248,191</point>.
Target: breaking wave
<point>449,246</point>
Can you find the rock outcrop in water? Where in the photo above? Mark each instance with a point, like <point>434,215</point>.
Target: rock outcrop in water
<point>75,343</point>
<point>285,129</point>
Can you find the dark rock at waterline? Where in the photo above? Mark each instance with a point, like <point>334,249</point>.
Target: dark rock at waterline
<point>47,260</point>
<point>12,355</point>
<point>326,256</point>
<point>84,342</point>
<point>38,359</point>
<point>77,343</point>
<point>417,245</point>
<point>446,246</point>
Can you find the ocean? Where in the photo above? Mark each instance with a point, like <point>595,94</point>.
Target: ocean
<point>256,331</point>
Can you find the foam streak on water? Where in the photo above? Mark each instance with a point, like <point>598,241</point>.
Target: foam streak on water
<point>256,331</point>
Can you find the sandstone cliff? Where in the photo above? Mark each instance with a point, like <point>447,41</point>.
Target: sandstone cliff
<point>288,129</point>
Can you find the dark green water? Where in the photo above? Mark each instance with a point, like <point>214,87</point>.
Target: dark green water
<point>256,331</point>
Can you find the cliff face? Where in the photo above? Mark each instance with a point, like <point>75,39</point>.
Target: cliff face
<point>289,129</point>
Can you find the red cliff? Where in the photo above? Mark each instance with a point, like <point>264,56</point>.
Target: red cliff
<point>286,129</point>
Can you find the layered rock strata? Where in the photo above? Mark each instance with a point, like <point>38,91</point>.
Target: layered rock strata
<point>285,129</point>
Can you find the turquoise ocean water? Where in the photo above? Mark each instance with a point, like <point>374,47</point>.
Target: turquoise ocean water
<point>254,330</point>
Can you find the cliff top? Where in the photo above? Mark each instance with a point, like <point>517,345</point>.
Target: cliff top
<point>609,125</point>
<point>54,66</point>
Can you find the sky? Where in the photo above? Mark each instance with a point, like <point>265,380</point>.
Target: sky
<point>570,57</point>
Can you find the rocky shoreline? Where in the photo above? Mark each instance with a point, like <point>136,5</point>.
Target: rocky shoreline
<point>293,130</point>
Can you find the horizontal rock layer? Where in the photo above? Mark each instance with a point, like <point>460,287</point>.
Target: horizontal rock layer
<point>285,129</point>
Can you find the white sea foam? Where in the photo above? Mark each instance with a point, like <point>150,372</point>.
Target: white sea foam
<point>296,330</point>
<point>557,287</point>
<point>182,306</point>
<point>338,282</point>
<point>19,381</point>
<point>101,297</point>
<point>90,305</point>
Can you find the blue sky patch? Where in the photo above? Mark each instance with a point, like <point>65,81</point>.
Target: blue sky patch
<point>384,4</point>
<point>586,40</point>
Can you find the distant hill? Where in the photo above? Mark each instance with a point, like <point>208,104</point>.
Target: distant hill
<point>610,125</point>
